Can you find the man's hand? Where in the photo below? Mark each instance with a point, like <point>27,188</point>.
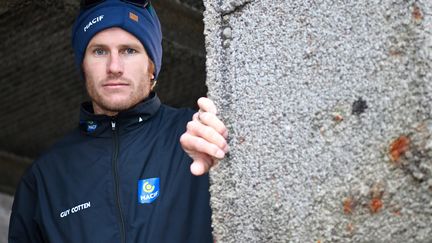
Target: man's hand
<point>205,138</point>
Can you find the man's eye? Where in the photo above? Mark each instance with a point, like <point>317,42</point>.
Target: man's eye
<point>99,52</point>
<point>129,51</point>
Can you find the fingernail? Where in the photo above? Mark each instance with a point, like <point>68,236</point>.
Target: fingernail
<point>220,154</point>
<point>226,148</point>
<point>225,134</point>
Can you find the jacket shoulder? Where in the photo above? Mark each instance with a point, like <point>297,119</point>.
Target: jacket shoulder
<point>63,144</point>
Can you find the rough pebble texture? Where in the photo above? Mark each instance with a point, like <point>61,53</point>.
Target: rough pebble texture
<point>5,210</point>
<point>329,108</point>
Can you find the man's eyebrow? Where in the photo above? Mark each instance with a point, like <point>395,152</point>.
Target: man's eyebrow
<point>133,46</point>
<point>96,45</point>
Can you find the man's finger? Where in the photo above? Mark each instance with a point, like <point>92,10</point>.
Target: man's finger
<point>207,133</point>
<point>206,105</point>
<point>201,164</point>
<point>195,116</point>
<point>213,121</point>
<point>197,144</point>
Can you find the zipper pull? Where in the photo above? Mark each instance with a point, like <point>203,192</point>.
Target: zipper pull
<point>113,125</point>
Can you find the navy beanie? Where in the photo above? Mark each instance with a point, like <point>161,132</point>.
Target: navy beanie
<point>141,22</point>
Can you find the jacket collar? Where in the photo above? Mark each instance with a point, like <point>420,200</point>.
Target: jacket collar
<point>101,125</point>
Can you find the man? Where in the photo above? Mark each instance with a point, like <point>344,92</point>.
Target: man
<point>122,176</point>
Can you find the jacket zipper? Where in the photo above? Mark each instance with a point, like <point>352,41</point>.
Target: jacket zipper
<point>116,181</point>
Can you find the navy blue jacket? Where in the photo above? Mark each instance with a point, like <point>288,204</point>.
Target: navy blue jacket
<point>121,179</point>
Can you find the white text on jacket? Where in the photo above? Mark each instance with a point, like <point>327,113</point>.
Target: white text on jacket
<point>75,209</point>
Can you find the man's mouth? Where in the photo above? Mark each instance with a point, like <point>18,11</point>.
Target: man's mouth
<point>115,85</point>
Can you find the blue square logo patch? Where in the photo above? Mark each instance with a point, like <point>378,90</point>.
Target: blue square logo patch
<point>148,190</point>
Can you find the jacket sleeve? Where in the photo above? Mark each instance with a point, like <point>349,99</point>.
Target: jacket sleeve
<point>22,226</point>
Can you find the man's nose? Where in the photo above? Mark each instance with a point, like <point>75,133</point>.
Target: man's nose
<point>115,64</point>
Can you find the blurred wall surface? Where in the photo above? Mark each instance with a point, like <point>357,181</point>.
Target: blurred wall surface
<point>5,210</point>
<point>329,109</point>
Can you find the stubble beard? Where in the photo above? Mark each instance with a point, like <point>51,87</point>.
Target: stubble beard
<point>109,106</point>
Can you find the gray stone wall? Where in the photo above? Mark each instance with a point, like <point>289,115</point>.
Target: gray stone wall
<point>5,210</point>
<point>329,108</point>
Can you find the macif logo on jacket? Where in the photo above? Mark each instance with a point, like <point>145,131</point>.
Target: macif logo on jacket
<point>148,190</point>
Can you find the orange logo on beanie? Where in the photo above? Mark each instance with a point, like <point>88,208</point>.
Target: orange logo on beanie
<point>133,16</point>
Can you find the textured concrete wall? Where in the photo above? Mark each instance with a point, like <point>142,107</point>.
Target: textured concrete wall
<point>329,108</point>
<point>5,210</point>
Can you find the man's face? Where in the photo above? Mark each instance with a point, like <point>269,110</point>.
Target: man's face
<point>117,71</point>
